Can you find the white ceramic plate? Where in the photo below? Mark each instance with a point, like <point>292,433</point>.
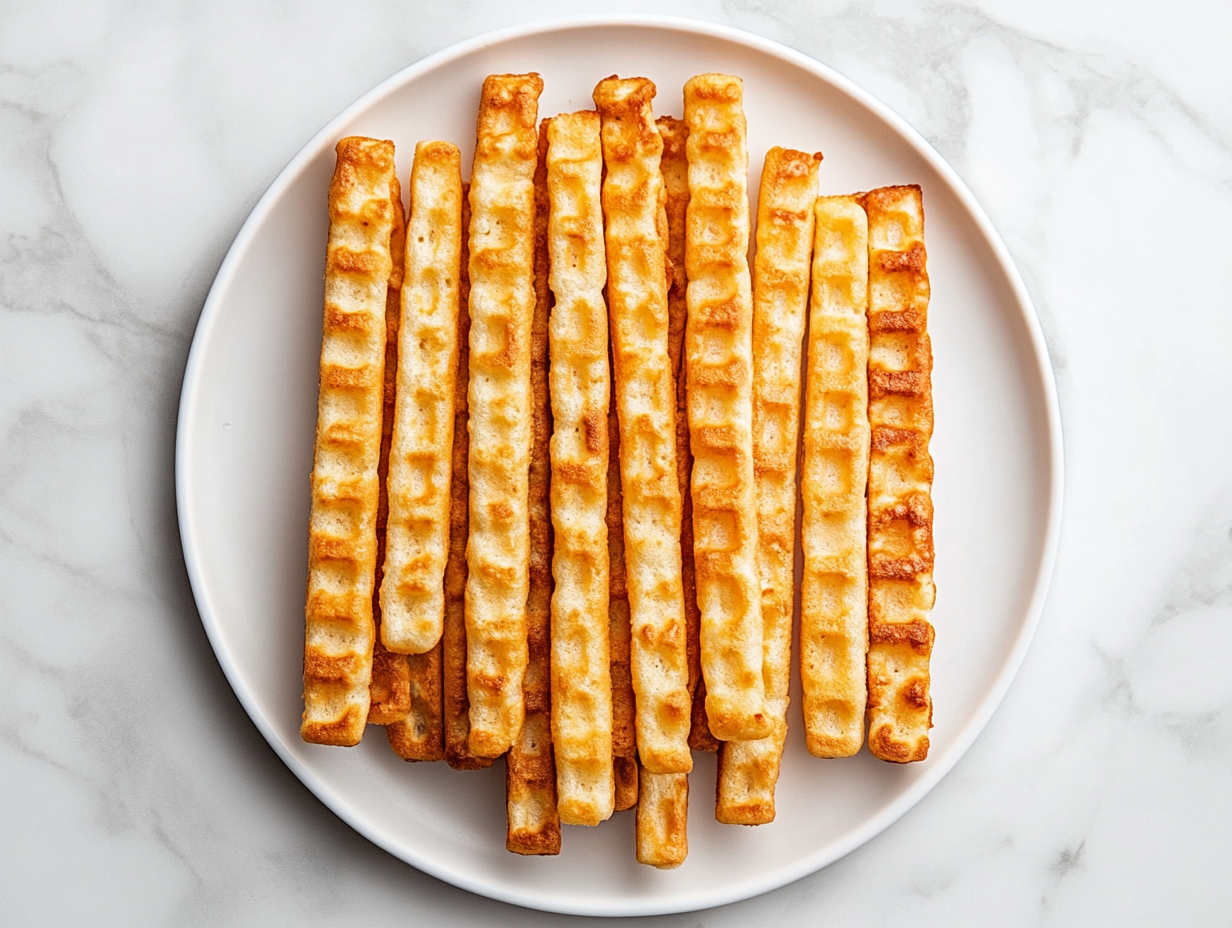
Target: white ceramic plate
<point>244,452</point>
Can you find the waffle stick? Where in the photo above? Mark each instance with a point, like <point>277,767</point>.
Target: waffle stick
<point>663,814</point>
<point>833,600</point>
<point>338,623</point>
<point>718,358</point>
<point>635,236</point>
<point>533,825</point>
<point>454,701</point>
<point>389,691</point>
<point>581,674</point>
<point>749,770</point>
<point>502,305</point>
<point>417,543</point>
<point>900,509</point>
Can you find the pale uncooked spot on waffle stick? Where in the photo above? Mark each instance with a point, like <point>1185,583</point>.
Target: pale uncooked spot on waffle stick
<point>635,236</point>
<point>339,629</point>
<point>532,820</point>
<point>749,770</point>
<point>718,358</point>
<point>834,593</point>
<point>502,307</point>
<point>900,506</point>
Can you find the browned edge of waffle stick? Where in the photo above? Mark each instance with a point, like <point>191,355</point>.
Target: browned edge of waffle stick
<point>900,508</point>
<point>390,689</point>
<point>455,705</point>
<point>718,358</point>
<point>635,235</point>
<point>834,590</point>
<point>338,622</point>
<point>502,305</point>
<point>749,770</point>
<point>624,737</point>
<point>532,821</point>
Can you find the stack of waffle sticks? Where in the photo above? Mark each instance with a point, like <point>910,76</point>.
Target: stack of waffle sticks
<point>555,479</point>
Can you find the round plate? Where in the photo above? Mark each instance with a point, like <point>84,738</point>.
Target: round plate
<point>244,453</point>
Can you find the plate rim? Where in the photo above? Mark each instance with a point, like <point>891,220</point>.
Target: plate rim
<point>190,395</point>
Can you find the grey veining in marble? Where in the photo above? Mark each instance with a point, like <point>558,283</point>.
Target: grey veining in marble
<point>134,139</point>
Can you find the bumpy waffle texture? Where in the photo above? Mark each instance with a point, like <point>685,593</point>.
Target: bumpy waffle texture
<point>718,355</point>
<point>662,816</point>
<point>455,706</point>
<point>749,770</point>
<point>390,686</point>
<point>417,541</point>
<point>339,628</point>
<point>900,508</point>
<point>581,675</point>
<point>502,306</point>
<point>833,610</point>
<point>533,825</point>
<point>636,234</point>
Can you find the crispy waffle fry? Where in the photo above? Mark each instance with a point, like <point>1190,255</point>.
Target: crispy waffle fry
<point>533,825</point>
<point>417,542</point>
<point>662,820</point>
<point>502,303</point>
<point>833,602</point>
<point>900,508</point>
<point>749,770</point>
<point>718,356</point>
<point>633,206</point>
<point>662,814</point>
<point>455,705</point>
<point>390,690</point>
<point>674,166</point>
<point>581,676</point>
<point>338,628</point>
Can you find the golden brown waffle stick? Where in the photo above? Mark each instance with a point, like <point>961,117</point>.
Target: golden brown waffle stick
<point>581,676</point>
<point>900,507</point>
<point>425,445</point>
<point>339,629</point>
<point>455,705</point>
<point>663,811</point>
<point>833,598</point>
<point>502,306</point>
<point>533,825</point>
<point>718,356</point>
<point>417,542</point>
<point>390,689</point>
<point>635,234</point>
<point>749,770</point>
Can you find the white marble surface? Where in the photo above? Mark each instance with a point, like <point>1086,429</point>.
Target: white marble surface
<point>135,137</point>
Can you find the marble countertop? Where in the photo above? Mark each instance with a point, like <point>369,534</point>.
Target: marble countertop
<point>134,139</point>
